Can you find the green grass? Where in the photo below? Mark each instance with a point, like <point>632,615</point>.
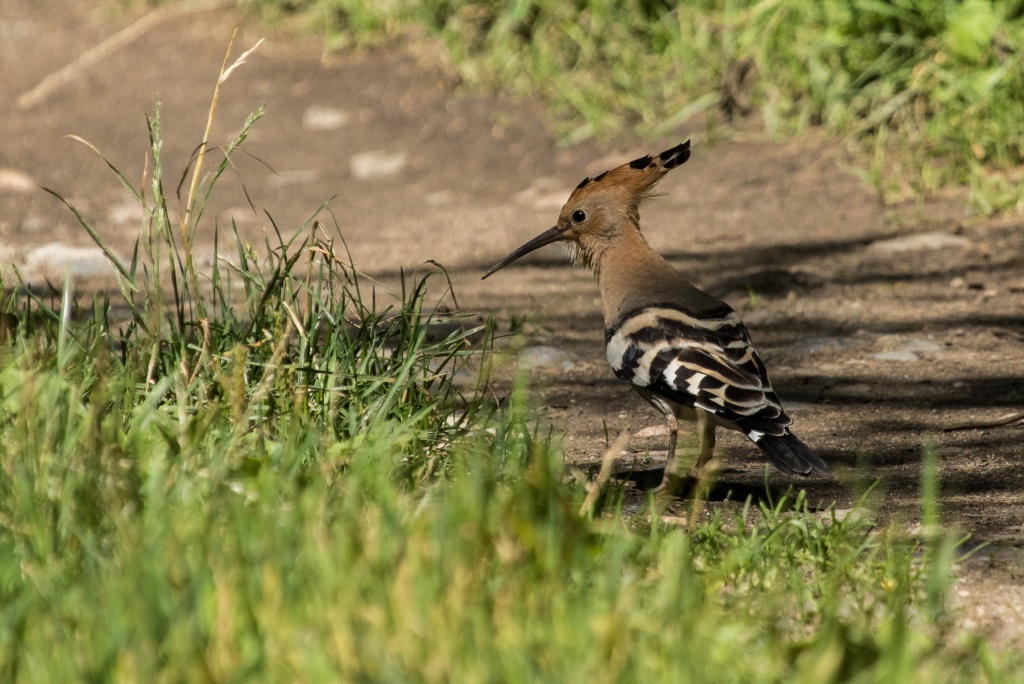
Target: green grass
<point>146,535</point>
<point>286,485</point>
<point>925,93</point>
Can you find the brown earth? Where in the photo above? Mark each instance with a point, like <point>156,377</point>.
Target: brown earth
<point>882,326</point>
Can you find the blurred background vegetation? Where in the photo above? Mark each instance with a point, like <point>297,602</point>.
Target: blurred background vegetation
<point>925,94</point>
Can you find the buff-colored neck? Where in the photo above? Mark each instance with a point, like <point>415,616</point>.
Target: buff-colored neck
<point>626,270</point>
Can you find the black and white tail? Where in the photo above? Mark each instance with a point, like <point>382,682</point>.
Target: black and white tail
<point>790,455</point>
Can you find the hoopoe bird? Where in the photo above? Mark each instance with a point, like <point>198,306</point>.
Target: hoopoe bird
<point>684,351</point>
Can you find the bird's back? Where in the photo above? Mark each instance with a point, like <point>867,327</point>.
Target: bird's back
<point>667,336</point>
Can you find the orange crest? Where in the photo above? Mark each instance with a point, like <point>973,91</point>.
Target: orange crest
<point>633,180</point>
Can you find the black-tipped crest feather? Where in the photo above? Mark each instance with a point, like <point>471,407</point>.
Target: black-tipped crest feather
<point>675,156</point>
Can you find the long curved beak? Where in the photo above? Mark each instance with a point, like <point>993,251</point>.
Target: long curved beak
<point>546,238</point>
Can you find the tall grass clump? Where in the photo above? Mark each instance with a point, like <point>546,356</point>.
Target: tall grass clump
<point>129,553</point>
<point>289,330</point>
<point>285,485</point>
<point>926,92</point>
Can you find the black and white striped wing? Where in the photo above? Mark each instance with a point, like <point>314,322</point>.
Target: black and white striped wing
<point>702,362</point>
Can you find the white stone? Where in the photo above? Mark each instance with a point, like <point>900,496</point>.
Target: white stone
<point>546,357</point>
<point>919,243</point>
<point>921,346</point>
<point>239,214</point>
<point>439,198</point>
<point>54,258</point>
<point>324,118</point>
<point>377,164</point>
<point>130,212</point>
<point>16,181</point>
<point>817,345</point>
<point>909,350</point>
<point>34,224</point>
<point>903,356</point>
<point>652,431</point>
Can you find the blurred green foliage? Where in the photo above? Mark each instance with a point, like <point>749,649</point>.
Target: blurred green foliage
<point>931,90</point>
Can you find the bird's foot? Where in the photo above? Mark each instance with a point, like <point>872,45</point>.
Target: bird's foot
<point>673,485</point>
<point>695,481</point>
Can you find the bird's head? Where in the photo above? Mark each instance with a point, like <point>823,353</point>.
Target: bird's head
<point>600,208</point>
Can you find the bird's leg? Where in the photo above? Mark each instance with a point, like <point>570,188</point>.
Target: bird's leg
<point>671,481</point>
<point>706,435</point>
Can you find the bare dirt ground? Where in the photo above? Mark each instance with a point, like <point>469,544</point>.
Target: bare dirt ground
<point>882,326</point>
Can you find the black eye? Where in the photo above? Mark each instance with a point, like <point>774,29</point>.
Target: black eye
<point>579,216</point>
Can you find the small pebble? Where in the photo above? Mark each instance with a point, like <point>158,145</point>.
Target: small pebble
<point>919,243</point>
<point>377,164</point>
<point>324,118</point>
<point>546,357</point>
<point>652,431</point>
<point>903,356</point>
<point>16,181</point>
